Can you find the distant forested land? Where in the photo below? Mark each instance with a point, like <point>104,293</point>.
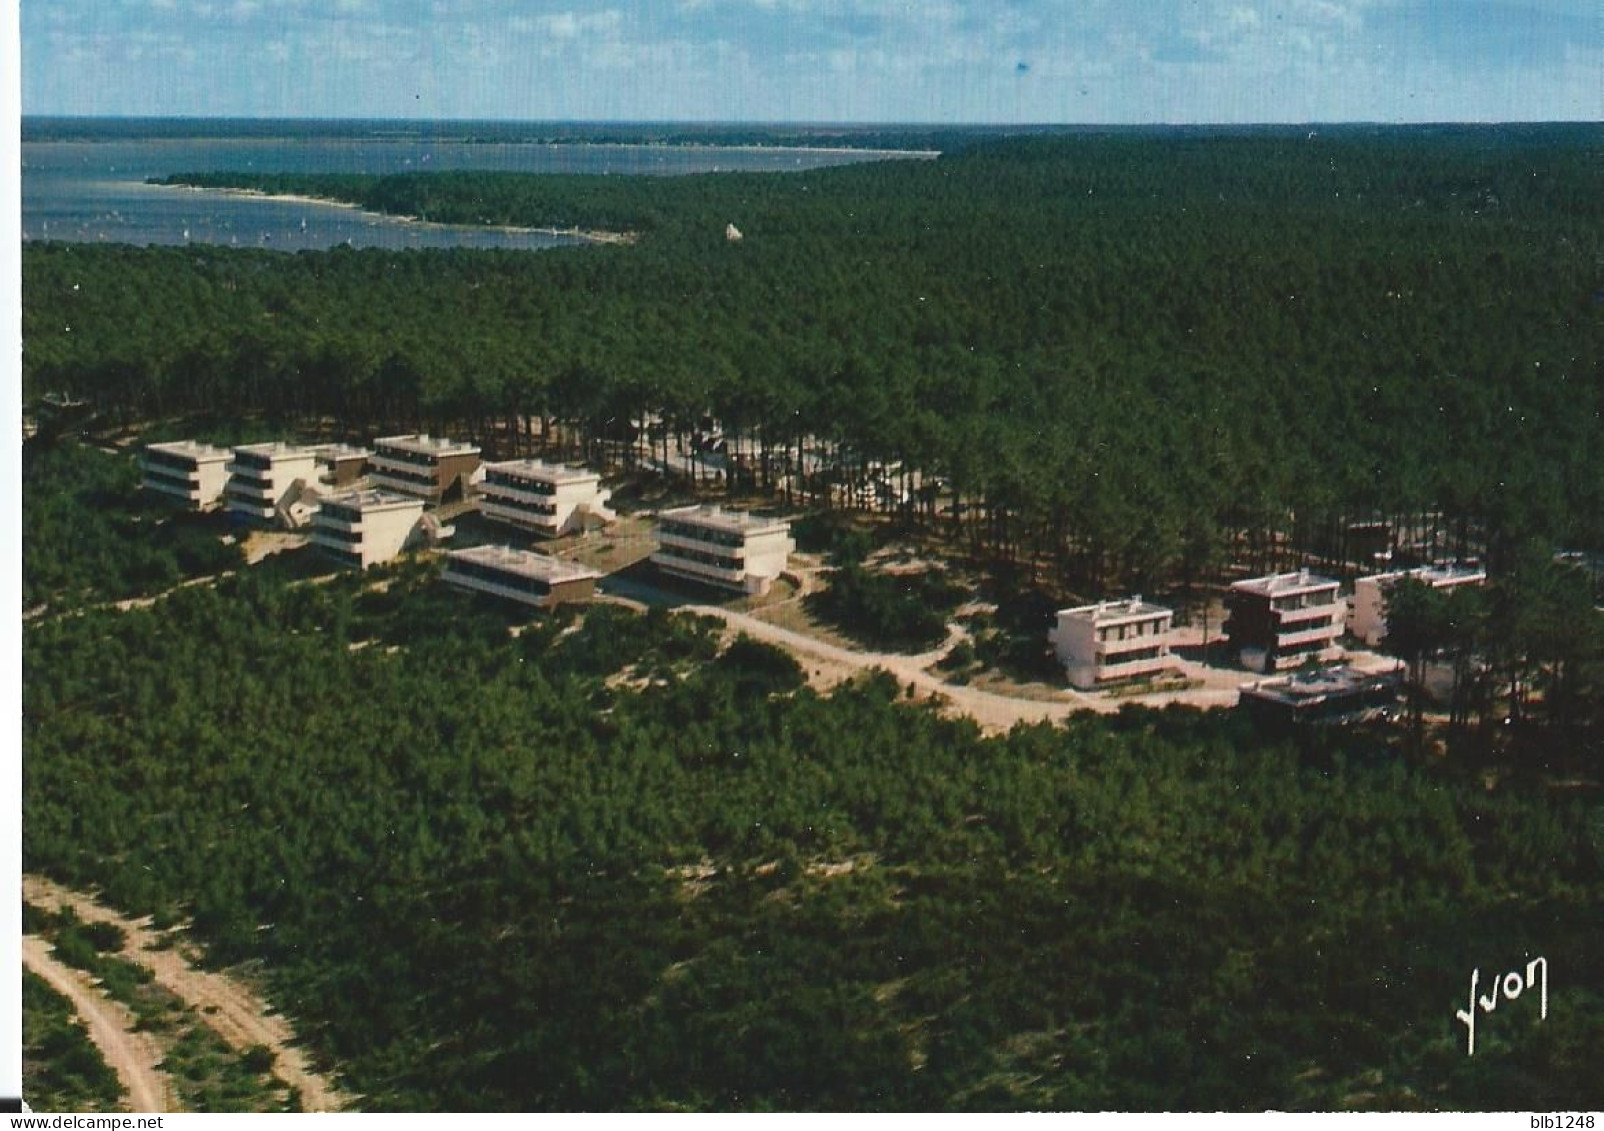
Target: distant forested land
<point>608,865</point>
<point>38,128</point>
<point>1120,350</point>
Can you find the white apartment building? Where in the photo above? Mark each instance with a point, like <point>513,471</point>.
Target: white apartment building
<point>363,528</point>
<point>730,549</point>
<point>1367,613</point>
<point>1284,619</point>
<point>263,478</point>
<point>422,465</point>
<point>550,499</point>
<point>519,575</point>
<point>188,472</point>
<point>1112,640</point>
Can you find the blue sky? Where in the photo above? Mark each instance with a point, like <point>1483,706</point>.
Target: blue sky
<point>820,60</point>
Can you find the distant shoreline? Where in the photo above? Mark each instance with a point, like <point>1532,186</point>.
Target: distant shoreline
<point>469,139</point>
<point>750,146</point>
<point>588,235</point>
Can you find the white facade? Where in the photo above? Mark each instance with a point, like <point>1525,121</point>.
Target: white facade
<point>363,528</point>
<point>262,479</point>
<point>519,575</point>
<point>730,549</point>
<point>1284,619</point>
<point>421,465</point>
<point>185,471</point>
<point>549,499</point>
<point>1112,640</point>
<point>1367,614</point>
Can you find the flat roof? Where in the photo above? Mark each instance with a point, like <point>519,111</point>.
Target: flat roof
<point>275,448</point>
<point>715,517</point>
<point>372,500</point>
<point>1106,612</point>
<point>1304,688</point>
<point>546,472</point>
<point>1279,584</point>
<point>1434,574</point>
<point>341,451</point>
<point>192,449</point>
<point>524,563</point>
<point>425,444</point>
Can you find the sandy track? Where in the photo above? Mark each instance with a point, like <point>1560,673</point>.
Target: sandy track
<point>239,1015</point>
<point>993,712</point>
<point>132,1055</point>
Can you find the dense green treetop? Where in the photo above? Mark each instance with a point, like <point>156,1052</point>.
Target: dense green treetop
<point>587,868</point>
<point>617,863</point>
<point>1117,341</point>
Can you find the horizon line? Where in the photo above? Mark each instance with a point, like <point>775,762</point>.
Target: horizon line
<point>863,124</point>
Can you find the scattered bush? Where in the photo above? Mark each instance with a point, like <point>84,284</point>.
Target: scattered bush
<point>904,612</point>
<point>759,669</point>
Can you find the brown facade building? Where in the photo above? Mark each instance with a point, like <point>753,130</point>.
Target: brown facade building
<point>430,468</point>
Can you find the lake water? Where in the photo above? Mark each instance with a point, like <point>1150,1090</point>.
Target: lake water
<point>93,189</point>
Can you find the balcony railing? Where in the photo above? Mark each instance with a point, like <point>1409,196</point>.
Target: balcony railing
<point>404,458</point>
<point>674,563</point>
<point>401,471</point>
<point>1325,631</point>
<point>335,539</point>
<point>176,490</point>
<point>524,500</point>
<point>1131,665</point>
<point>343,521</point>
<point>669,539</point>
<point>517,516</point>
<point>1307,614</point>
<point>1112,651</point>
<point>503,485</point>
<point>166,474</point>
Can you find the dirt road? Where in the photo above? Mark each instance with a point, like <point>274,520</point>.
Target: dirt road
<point>995,713</point>
<point>132,1055</point>
<point>238,1014</point>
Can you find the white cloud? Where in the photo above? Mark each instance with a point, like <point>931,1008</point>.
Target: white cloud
<point>572,25</point>
<point>1038,60</point>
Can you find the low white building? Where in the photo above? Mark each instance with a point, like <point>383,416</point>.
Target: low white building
<point>1367,613</point>
<point>520,575</point>
<point>265,480</point>
<point>363,528</point>
<point>731,549</point>
<point>550,499</point>
<point>185,471</point>
<point>1283,620</point>
<point>1112,640</point>
<point>429,467</point>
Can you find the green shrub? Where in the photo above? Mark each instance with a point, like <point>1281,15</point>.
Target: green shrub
<point>759,669</point>
<point>104,936</point>
<point>904,612</point>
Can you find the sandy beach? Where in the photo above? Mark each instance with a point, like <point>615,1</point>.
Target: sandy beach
<point>585,234</point>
